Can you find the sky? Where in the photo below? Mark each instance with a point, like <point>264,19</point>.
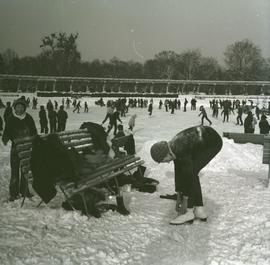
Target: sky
<point>136,29</point>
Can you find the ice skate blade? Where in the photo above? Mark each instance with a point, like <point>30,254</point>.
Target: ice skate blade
<point>187,222</point>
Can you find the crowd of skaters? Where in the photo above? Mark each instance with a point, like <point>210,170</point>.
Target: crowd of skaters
<point>53,117</point>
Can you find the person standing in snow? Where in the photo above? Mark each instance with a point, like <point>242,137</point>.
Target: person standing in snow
<point>18,125</point>
<point>204,115</point>
<point>264,125</point>
<point>113,118</point>
<point>190,150</point>
<point>249,123</point>
<point>43,120</point>
<point>131,122</point>
<point>150,108</point>
<point>62,117</point>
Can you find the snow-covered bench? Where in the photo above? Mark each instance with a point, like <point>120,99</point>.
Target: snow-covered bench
<point>242,138</point>
<point>266,154</point>
<point>261,139</point>
<point>79,139</point>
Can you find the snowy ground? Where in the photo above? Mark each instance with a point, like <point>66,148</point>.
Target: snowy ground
<point>235,196</point>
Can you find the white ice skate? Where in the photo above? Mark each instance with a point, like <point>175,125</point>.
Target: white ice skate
<point>200,213</point>
<point>187,217</point>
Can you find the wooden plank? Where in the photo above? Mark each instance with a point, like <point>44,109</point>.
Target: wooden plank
<point>121,141</point>
<point>243,138</point>
<point>26,161</point>
<point>78,143</point>
<point>75,136</point>
<point>71,190</point>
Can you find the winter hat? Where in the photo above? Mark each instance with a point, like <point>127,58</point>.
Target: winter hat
<point>120,127</point>
<point>20,101</point>
<point>263,117</point>
<point>159,151</point>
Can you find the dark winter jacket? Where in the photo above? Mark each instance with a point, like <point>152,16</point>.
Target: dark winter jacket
<point>16,128</point>
<point>264,126</point>
<point>43,117</point>
<point>193,148</point>
<point>62,116</point>
<point>130,145</point>
<point>98,134</point>
<point>52,116</point>
<point>248,124</point>
<point>50,162</point>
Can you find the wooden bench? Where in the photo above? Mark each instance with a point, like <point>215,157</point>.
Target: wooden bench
<point>242,138</point>
<point>260,139</point>
<point>119,142</point>
<point>79,139</point>
<point>266,155</point>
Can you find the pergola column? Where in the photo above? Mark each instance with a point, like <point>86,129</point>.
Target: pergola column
<point>104,87</point>
<point>152,88</point>
<point>198,88</point>
<point>54,86</point>
<point>182,88</point>
<point>214,90</point>
<point>262,90</point>
<point>136,87</point>
<point>167,88</point>
<point>71,86</point>
<point>37,85</point>
<point>19,85</point>
<point>119,87</point>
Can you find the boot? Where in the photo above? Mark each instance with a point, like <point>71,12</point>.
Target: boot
<point>187,217</point>
<point>200,213</point>
<point>121,208</point>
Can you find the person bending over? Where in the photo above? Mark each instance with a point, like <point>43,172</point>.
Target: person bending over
<point>190,150</point>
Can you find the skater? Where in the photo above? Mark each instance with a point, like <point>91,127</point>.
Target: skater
<point>113,118</point>
<point>185,105</point>
<point>191,150</point>
<point>204,115</point>
<point>77,107</point>
<point>52,120</point>
<point>131,122</point>
<point>249,123</point>
<point>62,119</point>
<point>239,116</point>
<point>150,108</point>
<point>86,109</point>
<point>264,125</point>
<point>43,120</point>
<point>18,125</point>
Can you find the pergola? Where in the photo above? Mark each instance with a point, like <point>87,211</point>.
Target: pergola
<point>94,84</point>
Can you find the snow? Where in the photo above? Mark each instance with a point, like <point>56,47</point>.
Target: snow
<point>234,191</point>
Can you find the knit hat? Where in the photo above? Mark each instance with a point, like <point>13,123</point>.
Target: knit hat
<point>159,151</point>
<point>20,101</point>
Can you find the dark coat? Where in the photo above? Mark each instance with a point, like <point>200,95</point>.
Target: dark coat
<point>62,116</point>
<point>50,162</point>
<point>264,127</point>
<point>98,134</point>
<point>194,148</point>
<point>16,128</point>
<point>43,117</point>
<point>248,124</point>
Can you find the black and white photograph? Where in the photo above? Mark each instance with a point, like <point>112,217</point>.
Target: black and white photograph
<point>134,132</point>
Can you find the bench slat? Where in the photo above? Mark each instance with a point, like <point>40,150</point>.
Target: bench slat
<point>71,190</point>
<point>243,138</point>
